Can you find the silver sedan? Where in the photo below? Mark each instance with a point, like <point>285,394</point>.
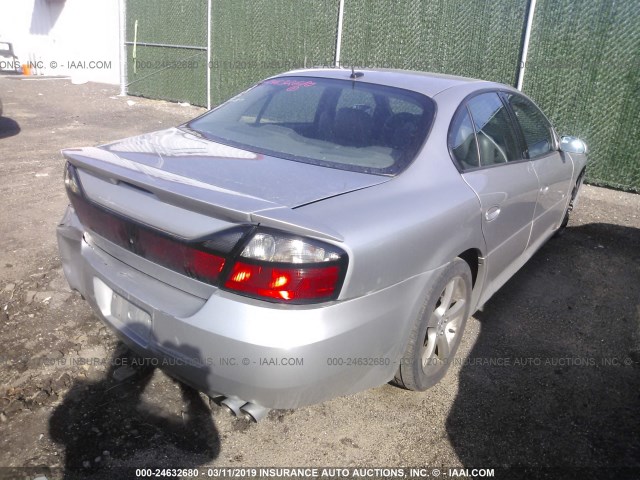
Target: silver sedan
<point>323,232</point>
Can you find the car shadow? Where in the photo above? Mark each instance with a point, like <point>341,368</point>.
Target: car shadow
<point>551,388</point>
<point>8,127</point>
<point>108,420</point>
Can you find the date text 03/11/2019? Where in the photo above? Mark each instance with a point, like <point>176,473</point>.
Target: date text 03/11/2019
<point>317,472</point>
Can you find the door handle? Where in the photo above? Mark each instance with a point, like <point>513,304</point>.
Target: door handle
<point>492,213</point>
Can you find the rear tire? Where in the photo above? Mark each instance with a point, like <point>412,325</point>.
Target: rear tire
<point>437,331</point>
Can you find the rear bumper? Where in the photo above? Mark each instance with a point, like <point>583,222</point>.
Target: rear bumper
<point>273,355</point>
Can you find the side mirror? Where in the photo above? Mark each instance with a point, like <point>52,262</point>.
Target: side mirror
<point>572,145</point>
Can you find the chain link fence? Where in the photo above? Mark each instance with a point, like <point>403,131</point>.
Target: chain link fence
<point>169,41</point>
<point>582,67</point>
<point>583,70</point>
<point>461,37</point>
<point>253,39</point>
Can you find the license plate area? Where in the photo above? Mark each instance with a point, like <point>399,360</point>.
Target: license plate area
<point>127,317</point>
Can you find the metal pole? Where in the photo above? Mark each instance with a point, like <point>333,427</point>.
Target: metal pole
<point>123,47</point>
<point>209,54</point>
<point>525,44</point>
<point>339,33</point>
<point>164,45</point>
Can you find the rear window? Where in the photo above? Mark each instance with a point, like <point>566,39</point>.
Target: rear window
<point>344,124</point>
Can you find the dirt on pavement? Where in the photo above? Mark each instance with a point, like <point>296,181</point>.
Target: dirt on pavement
<point>546,383</point>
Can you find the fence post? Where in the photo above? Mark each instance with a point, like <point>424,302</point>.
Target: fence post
<point>525,44</point>
<point>122,6</point>
<point>209,54</point>
<point>339,33</point>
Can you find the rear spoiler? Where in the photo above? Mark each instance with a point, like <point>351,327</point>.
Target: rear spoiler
<point>191,194</point>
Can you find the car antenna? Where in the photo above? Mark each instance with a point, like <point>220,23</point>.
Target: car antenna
<point>355,75</point>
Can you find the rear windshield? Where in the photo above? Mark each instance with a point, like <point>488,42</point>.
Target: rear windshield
<point>345,124</point>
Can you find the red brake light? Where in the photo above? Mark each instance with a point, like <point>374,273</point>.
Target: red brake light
<point>289,283</point>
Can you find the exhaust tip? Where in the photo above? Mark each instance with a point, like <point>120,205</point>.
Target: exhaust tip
<point>254,412</point>
<point>215,400</point>
<point>233,404</point>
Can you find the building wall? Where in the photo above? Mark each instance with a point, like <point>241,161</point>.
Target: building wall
<point>79,38</point>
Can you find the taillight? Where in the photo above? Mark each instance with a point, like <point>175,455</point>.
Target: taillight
<point>276,266</point>
<point>284,283</point>
<point>261,263</point>
<point>71,179</point>
<point>278,247</point>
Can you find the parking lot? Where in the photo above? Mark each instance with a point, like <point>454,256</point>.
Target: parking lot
<point>547,377</point>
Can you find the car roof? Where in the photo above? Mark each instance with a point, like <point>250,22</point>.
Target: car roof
<point>429,84</point>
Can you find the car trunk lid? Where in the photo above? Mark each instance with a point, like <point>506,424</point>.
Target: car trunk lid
<point>283,182</point>
<point>180,169</point>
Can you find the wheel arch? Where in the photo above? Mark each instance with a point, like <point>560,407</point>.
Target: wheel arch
<point>474,258</point>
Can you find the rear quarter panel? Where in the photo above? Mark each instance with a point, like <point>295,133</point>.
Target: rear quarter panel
<point>393,233</point>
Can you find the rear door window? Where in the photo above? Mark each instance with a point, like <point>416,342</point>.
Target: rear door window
<point>462,140</point>
<point>497,139</point>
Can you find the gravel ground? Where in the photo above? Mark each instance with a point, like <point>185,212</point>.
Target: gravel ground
<point>546,383</point>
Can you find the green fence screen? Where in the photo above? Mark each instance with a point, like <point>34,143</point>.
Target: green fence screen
<point>582,68</point>
<point>252,39</point>
<point>461,37</point>
<point>169,72</point>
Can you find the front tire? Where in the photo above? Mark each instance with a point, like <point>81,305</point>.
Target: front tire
<point>437,331</point>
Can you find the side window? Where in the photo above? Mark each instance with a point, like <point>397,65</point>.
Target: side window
<point>462,140</point>
<point>497,140</point>
<point>535,127</point>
